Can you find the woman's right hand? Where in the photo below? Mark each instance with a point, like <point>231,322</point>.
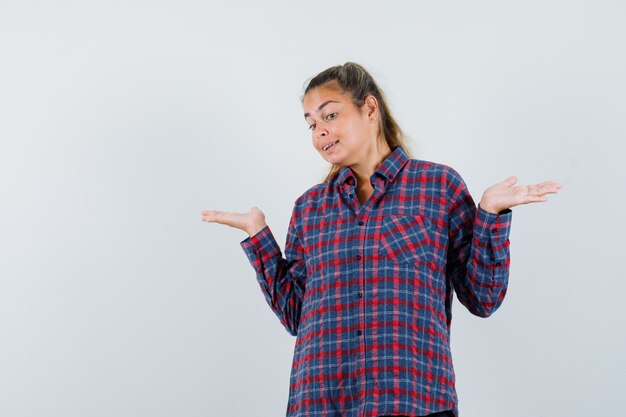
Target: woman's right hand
<point>251,222</point>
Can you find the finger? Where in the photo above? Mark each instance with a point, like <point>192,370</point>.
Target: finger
<point>541,189</point>
<point>547,189</point>
<point>553,184</point>
<point>544,183</point>
<point>213,216</point>
<point>510,181</point>
<point>534,199</point>
<point>547,186</point>
<point>550,191</point>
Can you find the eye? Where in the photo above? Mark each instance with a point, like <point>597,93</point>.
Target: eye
<point>334,115</point>
<point>312,126</point>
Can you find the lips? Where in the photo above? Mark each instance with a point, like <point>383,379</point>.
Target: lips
<point>329,145</point>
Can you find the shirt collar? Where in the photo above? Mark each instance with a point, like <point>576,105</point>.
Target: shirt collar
<point>387,169</point>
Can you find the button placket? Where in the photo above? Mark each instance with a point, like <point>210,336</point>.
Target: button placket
<point>360,223</point>
<point>359,293</point>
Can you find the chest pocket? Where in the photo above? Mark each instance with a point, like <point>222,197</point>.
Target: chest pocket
<point>405,238</point>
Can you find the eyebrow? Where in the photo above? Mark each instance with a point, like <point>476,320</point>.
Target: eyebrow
<point>320,107</point>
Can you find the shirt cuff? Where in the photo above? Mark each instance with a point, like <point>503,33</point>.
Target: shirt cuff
<point>494,228</point>
<point>261,245</point>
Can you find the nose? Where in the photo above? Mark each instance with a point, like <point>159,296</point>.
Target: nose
<point>322,132</point>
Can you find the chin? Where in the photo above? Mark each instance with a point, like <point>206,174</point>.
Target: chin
<point>332,160</point>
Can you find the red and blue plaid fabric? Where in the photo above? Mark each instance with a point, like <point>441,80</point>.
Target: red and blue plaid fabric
<point>367,289</point>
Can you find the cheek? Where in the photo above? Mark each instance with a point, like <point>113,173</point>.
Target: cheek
<point>364,130</point>
<point>314,143</point>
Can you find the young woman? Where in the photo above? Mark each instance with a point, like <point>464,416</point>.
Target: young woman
<point>373,257</point>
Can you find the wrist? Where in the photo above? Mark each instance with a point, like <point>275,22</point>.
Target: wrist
<point>488,208</point>
<point>255,228</point>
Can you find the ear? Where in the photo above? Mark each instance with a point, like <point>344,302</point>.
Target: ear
<point>371,107</point>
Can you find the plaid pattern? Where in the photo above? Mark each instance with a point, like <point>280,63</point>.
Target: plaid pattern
<point>367,289</point>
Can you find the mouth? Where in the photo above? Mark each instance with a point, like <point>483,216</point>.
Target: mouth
<point>330,145</point>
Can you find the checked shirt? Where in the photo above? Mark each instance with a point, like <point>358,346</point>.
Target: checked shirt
<point>367,289</point>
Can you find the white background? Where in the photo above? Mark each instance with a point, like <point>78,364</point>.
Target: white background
<point>121,121</point>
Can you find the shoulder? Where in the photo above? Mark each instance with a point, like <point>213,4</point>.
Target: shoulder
<point>312,197</point>
<point>434,171</point>
<point>441,178</point>
<point>307,202</point>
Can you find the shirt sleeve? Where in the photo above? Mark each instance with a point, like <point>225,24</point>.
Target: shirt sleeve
<point>282,280</point>
<point>478,256</point>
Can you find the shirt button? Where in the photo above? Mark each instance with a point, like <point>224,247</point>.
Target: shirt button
<point>358,256</point>
<point>359,332</point>
<point>360,295</point>
<point>361,223</point>
<point>494,230</point>
<point>350,195</point>
<point>497,263</point>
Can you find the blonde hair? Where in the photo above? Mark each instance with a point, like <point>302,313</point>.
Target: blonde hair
<point>354,80</point>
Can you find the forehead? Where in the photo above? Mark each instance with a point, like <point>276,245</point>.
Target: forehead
<point>320,95</point>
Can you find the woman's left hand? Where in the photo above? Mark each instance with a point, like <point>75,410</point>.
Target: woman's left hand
<point>503,195</point>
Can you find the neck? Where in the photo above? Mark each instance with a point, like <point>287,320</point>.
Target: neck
<point>366,167</point>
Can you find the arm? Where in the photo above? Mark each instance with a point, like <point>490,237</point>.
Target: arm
<point>282,281</point>
<point>478,256</point>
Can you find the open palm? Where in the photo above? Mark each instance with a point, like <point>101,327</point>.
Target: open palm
<point>505,195</point>
<point>250,222</point>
